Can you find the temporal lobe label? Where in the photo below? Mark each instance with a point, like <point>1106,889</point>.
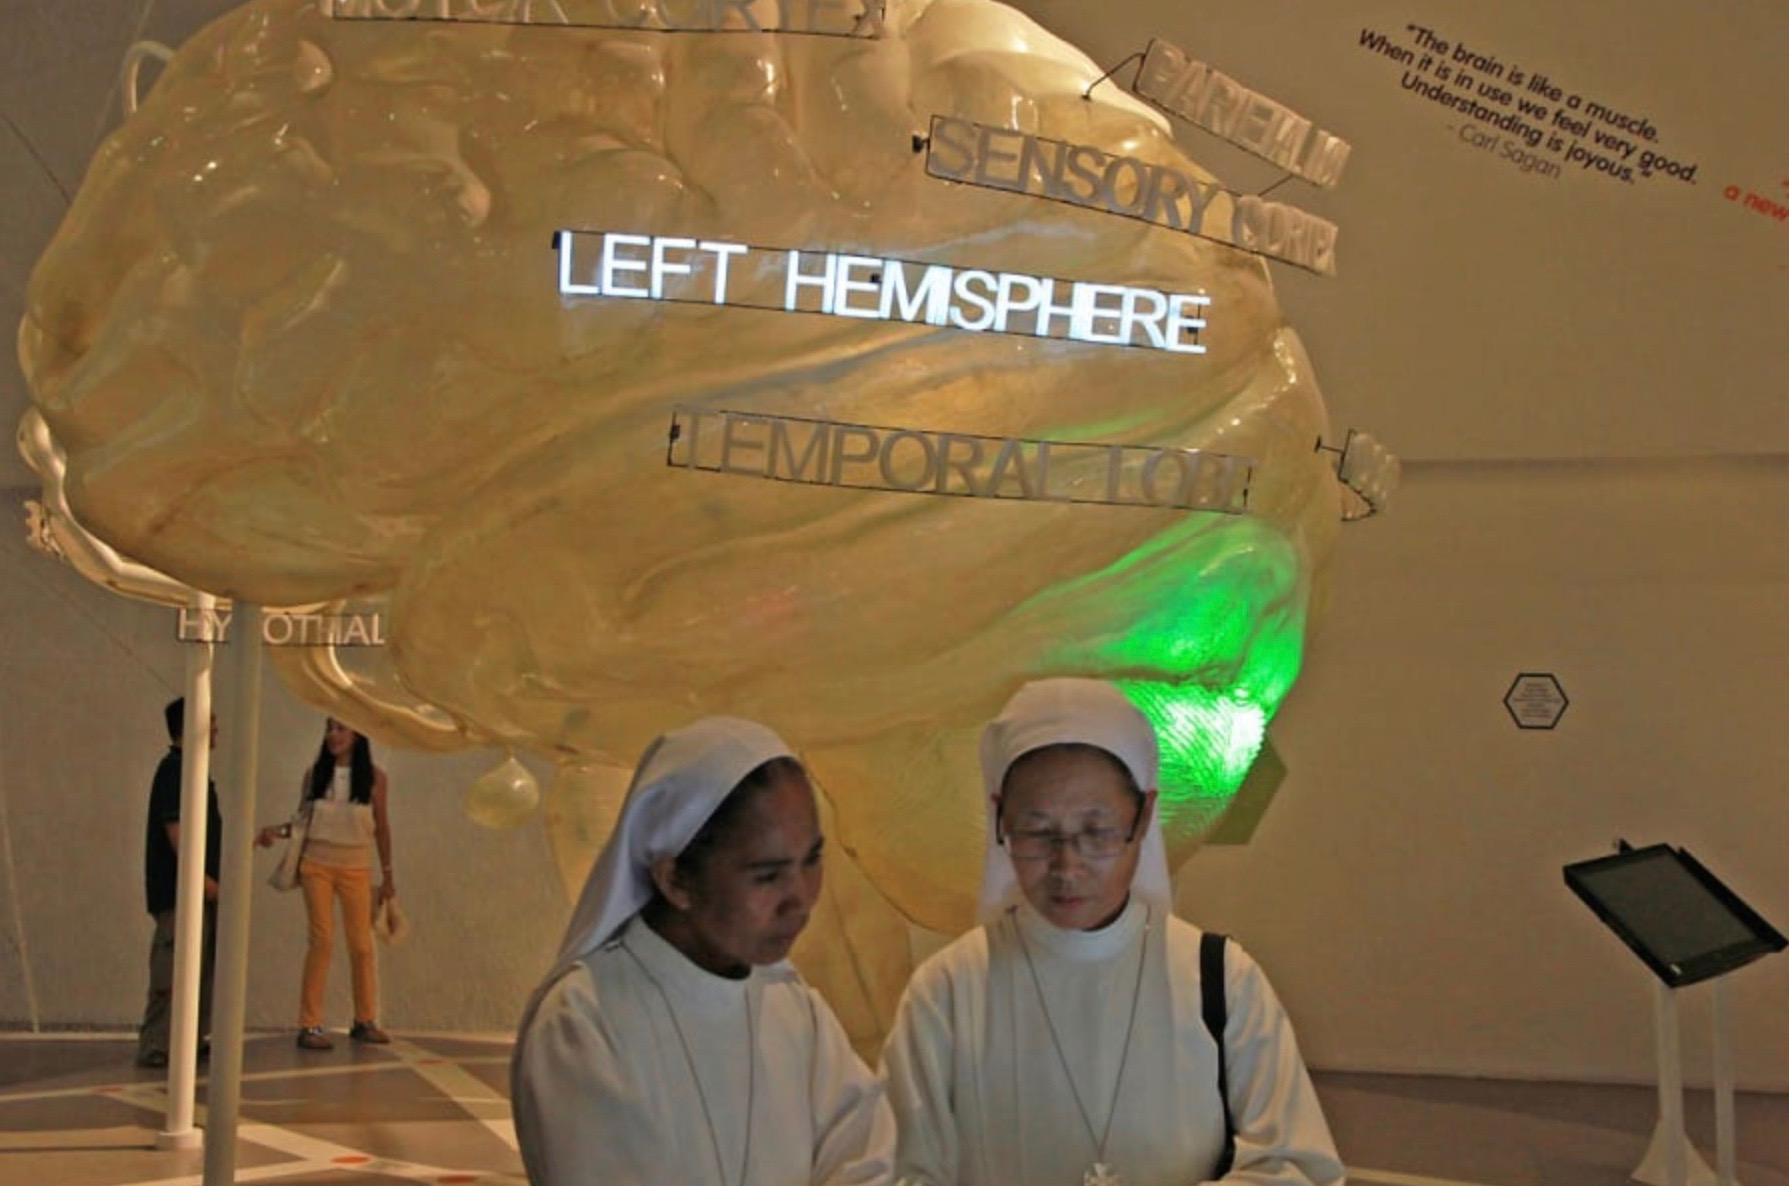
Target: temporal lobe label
<point>964,465</point>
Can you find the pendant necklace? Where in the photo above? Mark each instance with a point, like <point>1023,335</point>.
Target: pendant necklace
<point>1100,1174</point>
<point>689,1061</point>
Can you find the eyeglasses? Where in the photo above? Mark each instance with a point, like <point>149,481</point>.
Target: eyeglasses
<point>1091,844</point>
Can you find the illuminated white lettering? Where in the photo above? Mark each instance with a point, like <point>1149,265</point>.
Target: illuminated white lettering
<point>723,252</point>
<point>933,294</point>
<point>1088,313</point>
<point>984,300</point>
<point>797,280</point>
<point>565,240</point>
<point>1048,310</point>
<point>661,265</point>
<point>613,263</point>
<point>1179,322</point>
<point>847,285</point>
<point>672,268</point>
<point>1130,316</point>
<point>1005,304</point>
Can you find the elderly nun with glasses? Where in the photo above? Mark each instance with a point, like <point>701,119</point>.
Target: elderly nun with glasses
<point>672,1044</point>
<point>1082,1035</point>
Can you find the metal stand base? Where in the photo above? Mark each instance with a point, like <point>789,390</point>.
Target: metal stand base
<point>1671,1160</point>
<point>1655,1168</point>
<point>191,1138</point>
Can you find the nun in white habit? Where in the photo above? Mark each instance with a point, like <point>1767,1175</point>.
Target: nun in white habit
<point>672,1043</point>
<point>1064,1042</point>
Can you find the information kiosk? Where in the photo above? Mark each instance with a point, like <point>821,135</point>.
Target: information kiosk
<point>1687,927</point>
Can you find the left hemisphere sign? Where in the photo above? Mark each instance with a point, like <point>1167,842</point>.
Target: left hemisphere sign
<point>877,288</point>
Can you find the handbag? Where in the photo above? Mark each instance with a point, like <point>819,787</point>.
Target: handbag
<point>390,923</point>
<point>285,874</point>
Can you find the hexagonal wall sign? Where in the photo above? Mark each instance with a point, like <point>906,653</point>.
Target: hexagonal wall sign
<point>1536,700</point>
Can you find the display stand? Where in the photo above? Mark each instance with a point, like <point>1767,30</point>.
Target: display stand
<point>223,1099</point>
<point>1670,1159</point>
<point>178,1130</point>
<point>1687,927</point>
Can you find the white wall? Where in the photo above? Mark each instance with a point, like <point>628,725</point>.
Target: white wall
<point>85,675</point>
<point>1404,889</point>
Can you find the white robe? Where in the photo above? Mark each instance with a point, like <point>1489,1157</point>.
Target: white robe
<point>980,1094</point>
<point>603,1094</point>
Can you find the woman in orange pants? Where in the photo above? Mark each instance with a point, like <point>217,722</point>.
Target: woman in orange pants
<point>345,795</point>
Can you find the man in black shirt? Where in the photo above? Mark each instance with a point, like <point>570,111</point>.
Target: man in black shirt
<point>161,847</point>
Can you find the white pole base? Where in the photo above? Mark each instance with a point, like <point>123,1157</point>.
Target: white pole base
<point>191,1138</point>
<point>1654,1168</point>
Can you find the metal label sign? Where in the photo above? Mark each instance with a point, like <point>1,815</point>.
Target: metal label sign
<point>1182,85</point>
<point>282,628</point>
<point>1082,175</point>
<point>1536,700</point>
<point>822,18</point>
<point>964,465</point>
<point>876,288</point>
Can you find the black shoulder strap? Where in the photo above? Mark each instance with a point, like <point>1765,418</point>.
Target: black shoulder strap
<point>1217,1013</point>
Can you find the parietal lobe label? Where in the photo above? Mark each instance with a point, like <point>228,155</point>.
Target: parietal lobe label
<point>1184,86</point>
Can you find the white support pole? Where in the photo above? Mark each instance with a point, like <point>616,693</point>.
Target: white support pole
<point>223,1097</point>
<point>1670,1160</point>
<point>189,902</point>
<point>1670,1051</point>
<point>1725,1159</point>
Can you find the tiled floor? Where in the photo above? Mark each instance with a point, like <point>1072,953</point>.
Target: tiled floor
<point>74,1112</point>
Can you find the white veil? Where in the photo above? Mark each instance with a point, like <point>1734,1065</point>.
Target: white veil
<point>1055,712</point>
<point>681,779</point>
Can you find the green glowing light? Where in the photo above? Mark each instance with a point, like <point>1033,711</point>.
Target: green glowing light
<point>1208,739</point>
<point>1206,639</point>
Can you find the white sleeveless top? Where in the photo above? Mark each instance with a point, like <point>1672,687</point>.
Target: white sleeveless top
<point>341,830</point>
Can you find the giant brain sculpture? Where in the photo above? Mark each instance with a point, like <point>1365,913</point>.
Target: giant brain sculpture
<point>300,340</point>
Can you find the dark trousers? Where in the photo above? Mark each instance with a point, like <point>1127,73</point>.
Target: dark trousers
<point>152,1037</point>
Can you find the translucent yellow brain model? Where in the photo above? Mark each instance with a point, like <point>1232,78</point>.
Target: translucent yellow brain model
<point>300,339</point>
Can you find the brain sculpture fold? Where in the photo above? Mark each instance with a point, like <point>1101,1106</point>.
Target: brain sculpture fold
<point>300,340</point>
